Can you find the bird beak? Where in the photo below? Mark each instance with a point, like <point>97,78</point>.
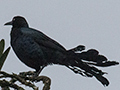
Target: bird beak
<point>8,23</point>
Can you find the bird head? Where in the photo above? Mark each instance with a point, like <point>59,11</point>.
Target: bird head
<point>17,22</point>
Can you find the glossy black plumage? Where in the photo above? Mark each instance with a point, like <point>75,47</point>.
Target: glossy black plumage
<point>37,50</point>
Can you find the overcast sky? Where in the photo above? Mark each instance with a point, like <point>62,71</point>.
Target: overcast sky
<point>93,23</point>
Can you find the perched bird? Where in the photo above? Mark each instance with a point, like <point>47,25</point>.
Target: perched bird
<point>37,50</point>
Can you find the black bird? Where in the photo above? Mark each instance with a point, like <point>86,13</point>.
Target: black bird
<point>37,50</point>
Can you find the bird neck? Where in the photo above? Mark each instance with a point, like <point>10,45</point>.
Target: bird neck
<point>20,25</point>
<point>15,32</point>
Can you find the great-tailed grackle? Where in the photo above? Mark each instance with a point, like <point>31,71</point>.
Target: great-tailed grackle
<point>37,50</point>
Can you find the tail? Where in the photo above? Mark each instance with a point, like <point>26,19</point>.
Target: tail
<point>84,63</point>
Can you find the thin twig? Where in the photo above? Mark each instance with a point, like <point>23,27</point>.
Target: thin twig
<point>26,78</point>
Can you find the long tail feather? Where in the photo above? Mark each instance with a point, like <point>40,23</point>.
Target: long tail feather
<point>84,63</point>
<point>88,71</point>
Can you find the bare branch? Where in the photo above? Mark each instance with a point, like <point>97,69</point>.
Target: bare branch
<point>25,78</point>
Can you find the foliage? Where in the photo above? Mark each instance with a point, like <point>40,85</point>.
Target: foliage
<point>3,55</point>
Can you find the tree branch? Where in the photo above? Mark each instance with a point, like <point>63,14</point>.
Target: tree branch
<point>25,78</point>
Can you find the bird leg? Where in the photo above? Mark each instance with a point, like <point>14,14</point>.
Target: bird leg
<point>37,72</point>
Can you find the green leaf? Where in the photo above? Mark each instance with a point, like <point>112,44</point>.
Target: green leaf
<point>2,44</point>
<point>3,57</point>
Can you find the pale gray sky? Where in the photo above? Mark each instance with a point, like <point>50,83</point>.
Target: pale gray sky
<point>93,23</point>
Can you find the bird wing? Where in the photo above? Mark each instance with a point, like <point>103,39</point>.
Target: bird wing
<point>42,39</point>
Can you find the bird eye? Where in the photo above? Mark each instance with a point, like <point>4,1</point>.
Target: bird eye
<point>13,19</point>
